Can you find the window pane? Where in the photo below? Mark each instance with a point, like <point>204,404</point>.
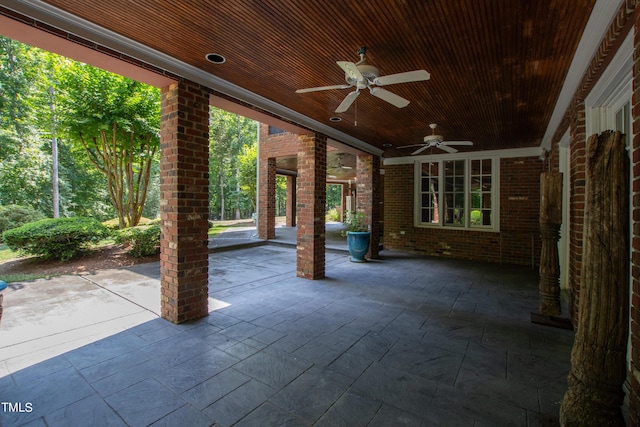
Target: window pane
<point>429,193</point>
<point>425,184</point>
<point>486,167</point>
<point>475,167</point>
<point>486,217</point>
<point>476,200</point>
<point>486,183</point>
<point>480,194</point>
<point>476,184</point>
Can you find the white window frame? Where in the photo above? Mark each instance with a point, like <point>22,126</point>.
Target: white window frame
<point>495,194</point>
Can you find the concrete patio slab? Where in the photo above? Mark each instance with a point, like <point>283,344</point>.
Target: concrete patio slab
<point>402,340</point>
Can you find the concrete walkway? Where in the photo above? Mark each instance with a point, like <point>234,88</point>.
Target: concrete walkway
<point>399,341</point>
<point>243,237</point>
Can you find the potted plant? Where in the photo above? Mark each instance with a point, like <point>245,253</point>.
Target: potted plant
<point>358,235</point>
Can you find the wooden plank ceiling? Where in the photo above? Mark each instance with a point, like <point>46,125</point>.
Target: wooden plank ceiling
<point>497,66</point>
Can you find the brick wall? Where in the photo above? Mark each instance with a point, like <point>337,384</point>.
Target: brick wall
<point>518,242</point>
<point>634,378</point>
<point>184,194</point>
<point>267,198</point>
<point>277,145</point>
<point>577,148</point>
<point>311,198</point>
<point>368,197</point>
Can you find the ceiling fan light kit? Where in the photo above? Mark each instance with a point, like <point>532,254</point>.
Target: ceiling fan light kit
<point>364,76</point>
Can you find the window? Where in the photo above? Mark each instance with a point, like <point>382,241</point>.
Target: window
<point>480,191</point>
<point>275,131</point>
<point>429,193</point>
<point>457,194</point>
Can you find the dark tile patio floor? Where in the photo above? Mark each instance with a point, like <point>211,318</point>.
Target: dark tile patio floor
<point>399,341</point>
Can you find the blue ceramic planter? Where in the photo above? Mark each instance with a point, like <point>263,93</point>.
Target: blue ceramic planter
<point>358,245</point>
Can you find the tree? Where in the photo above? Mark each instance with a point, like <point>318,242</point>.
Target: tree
<point>116,122</point>
<point>23,163</point>
<point>248,169</point>
<point>19,68</point>
<point>334,196</point>
<point>228,134</point>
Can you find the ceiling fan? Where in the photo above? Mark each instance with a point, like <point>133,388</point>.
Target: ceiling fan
<point>364,76</point>
<point>436,141</point>
<point>340,165</point>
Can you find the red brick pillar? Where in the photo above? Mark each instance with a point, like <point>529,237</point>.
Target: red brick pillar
<point>312,192</point>
<point>344,189</point>
<point>267,199</point>
<point>291,201</point>
<point>184,193</point>
<point>634,378</point>
<point>578,149</point>
<point>368,197</point>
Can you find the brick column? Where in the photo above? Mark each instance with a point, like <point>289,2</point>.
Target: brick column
<point>312,171</point>
<point>578,149</point>
<point>291,201</point>
<point>344,188</point>
<point>267,198</point>
<point>368,197</point>
<point>184,193</point>
<point>634,378</point>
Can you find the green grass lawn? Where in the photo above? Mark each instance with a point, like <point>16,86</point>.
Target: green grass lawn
<point>7,254</point>
<point>217,229</point>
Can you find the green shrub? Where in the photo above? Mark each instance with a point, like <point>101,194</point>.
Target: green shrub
<point>56,238</point>
<point>332,215</point>
<point>13,216</point>
<point>142,240</point>
<point>114,223</point>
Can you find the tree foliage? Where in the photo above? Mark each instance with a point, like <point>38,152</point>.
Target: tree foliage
<point>116,121</point>
<point>232,157</point>
<point>106,128</point>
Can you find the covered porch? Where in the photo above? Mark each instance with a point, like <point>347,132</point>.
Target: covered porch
<point>402,340</point>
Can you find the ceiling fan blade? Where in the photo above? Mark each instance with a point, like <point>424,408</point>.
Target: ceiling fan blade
<point>409,76</point>
<point>316,89</point>
<point>447,148</point>
<point>458,142</point>
<point>420,150</point>
<point>347,101</point>
<point>410,146</point>
<point>390,97</point>
<point>352,70</point>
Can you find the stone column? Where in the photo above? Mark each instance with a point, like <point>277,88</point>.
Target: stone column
<point>312,175</point>
<point>598,358</point>
<point>368,197</point>
<point>550,222</point>
<point>184,193</point>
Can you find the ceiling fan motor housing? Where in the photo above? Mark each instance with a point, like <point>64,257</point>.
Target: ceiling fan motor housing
<point>369,72</point>
<point>433,139</point>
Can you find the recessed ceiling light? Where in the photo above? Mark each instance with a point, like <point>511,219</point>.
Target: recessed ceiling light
<point>215,58</point>
<point>335,119</point>
<point>387,145</point>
